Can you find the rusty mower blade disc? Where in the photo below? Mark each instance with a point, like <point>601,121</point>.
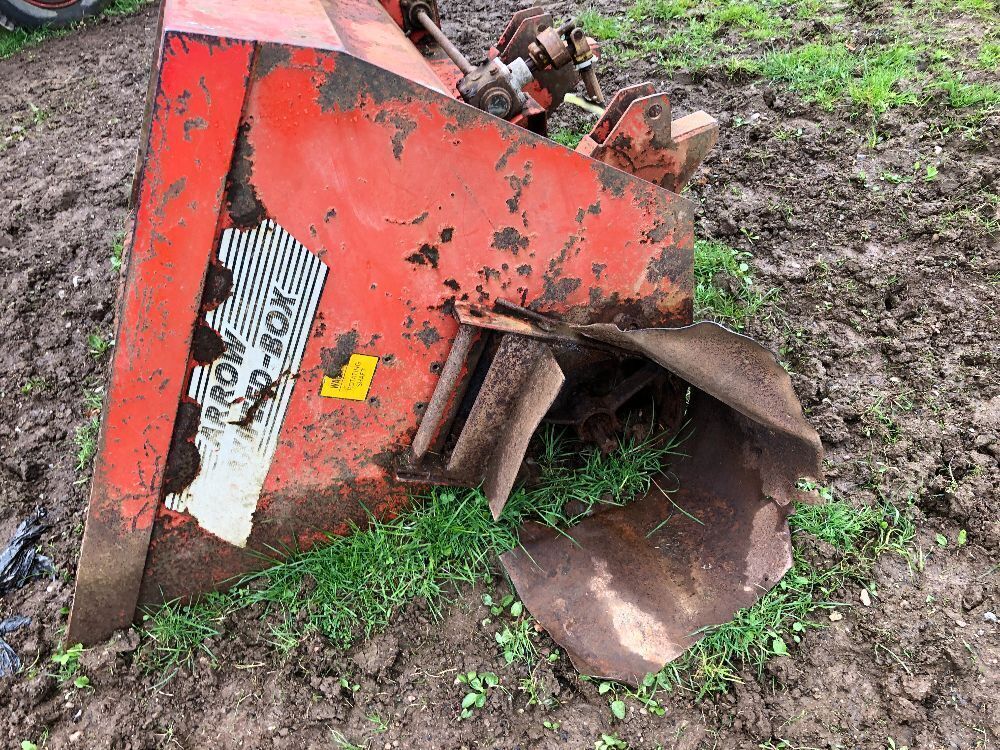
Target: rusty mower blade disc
<point>628,589</point>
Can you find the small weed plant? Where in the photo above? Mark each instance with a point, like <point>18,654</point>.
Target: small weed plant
<point>97,345</point>
<point>67,662</point>
<point>478,686</point>
<point>87,433</point>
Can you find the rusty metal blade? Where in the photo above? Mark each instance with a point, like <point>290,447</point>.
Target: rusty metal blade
<point>623,604</point>
<point>630,588</point>
<point>744,375</point>
<point>531,405</point>
<point>509,375</point>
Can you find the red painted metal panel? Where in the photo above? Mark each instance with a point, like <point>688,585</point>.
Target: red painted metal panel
<point>299,22</point>
<point>415,201</point>
<point>195,114</point>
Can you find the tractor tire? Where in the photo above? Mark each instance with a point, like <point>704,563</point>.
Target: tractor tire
<point>36,14</point>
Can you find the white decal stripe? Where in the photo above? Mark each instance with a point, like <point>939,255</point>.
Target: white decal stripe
<point>265,323</point>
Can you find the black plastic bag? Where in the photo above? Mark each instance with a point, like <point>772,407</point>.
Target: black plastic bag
<point>9,660</point>
<point>20,561</point>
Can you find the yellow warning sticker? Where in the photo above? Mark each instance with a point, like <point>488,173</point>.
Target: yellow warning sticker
<point>355,379</point>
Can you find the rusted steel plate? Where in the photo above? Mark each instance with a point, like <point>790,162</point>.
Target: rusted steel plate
<point>446,391</point>
<point>511,374</point>
<point>628,589</point>
<point>531,403</point>
<point>746,377</point>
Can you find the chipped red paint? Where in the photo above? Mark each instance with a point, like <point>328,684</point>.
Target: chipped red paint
<point>350,141</point>
<point>180,198</point>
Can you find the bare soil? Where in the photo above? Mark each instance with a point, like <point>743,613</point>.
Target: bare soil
<point>889,327</point>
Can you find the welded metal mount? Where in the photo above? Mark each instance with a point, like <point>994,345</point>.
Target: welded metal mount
<point>484,411</point>
<point>636,134</point>
<point>526,27</point>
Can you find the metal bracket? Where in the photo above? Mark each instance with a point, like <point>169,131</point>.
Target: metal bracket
<point>520,385</point>
<point>637,135</point>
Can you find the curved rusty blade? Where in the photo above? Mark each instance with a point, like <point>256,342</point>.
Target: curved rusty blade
<point>632,587</point>
<point>529,408</point>
<point>623,604</point>
<point>744,375</point>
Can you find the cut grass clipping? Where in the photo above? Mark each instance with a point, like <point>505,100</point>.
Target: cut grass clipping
<point>353,585</point>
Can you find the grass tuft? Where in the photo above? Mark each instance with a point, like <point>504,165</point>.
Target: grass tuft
<point>569,137</point>
<point>825,73</point>
<point>724,287</point>
<point>353,584</point>
<point>962,95</point>
<point>784,614</point>
<point>178,631</point>
<point>601,26</point>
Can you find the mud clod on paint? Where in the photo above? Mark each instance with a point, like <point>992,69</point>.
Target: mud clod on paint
<point>334,359</point>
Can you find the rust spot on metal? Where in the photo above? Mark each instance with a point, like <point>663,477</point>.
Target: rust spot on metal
<point>354,81</point>
<point>558,289</point>
<point>245,207</point>
<point>218,286</point>
<point>659,231</point>
<point>206,345</point>
<point>183,459</point>
<point>510,240</point>
<point>612,180</point>
<point>597,269</point>
<point>175,189</point>
<point>517,184</point>
<point>403,127</point>
<point>453,285</point>
<point>427,255</point>
<point>447,233</point>
<point>671,263</point>
<point>428,335</point>
<point>269,57</point>
<point>524,270</point>
<point>265,394</point>
<point>334,359</point>
<point>511,149</point>
<point>194,123</point>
